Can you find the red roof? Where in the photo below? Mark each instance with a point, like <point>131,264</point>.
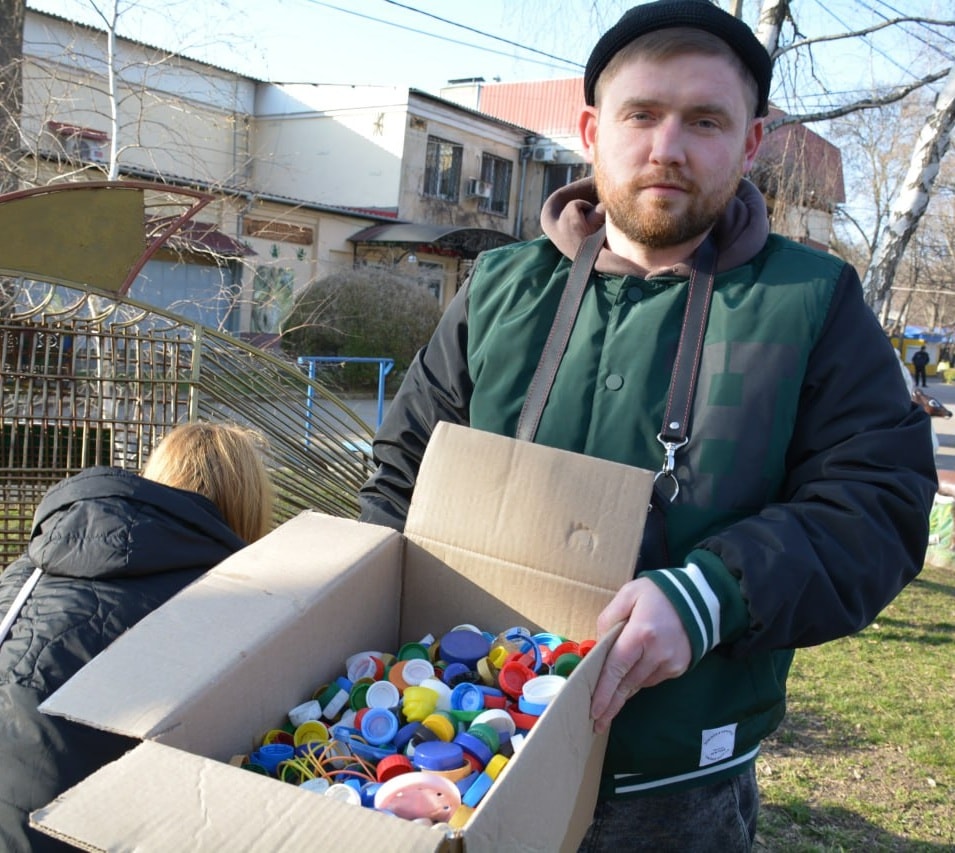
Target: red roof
<point>548,107</point>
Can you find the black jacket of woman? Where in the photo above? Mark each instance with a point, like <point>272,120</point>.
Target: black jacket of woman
<point>113,547</point>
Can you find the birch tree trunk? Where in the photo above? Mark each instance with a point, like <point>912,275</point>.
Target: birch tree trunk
<point>913,198</point>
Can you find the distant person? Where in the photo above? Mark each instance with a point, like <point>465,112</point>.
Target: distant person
<point>108,547</point>
<point>920,361</point>
<point>658,323</point>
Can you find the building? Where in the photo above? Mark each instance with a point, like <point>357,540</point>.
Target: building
<point>307,179</point>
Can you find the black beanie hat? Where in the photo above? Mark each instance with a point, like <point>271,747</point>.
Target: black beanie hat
<point>699,14</point>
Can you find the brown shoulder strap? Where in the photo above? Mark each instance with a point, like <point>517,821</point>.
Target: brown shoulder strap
<point>674,433</point>
<point>559,334</point>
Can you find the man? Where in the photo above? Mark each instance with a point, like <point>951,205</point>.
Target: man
<point>920,361</point>
<point>795,488</point>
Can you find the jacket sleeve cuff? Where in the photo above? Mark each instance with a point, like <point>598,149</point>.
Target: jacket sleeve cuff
<point>707,598</point>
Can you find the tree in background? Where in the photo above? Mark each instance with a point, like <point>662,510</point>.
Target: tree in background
<point>367,313</point>
<point>12,14</point>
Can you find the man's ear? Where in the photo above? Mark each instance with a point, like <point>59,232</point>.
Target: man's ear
<point>754,136</point>
<point>587,126</point>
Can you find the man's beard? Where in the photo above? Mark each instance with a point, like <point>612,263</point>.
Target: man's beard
<point>654,223</point>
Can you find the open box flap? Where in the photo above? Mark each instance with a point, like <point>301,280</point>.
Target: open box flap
<point>553,532</point>
<point>209,806</point>
<point>257,633</point>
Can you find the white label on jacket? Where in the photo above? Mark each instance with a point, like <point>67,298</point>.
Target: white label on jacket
<point>718,744</point>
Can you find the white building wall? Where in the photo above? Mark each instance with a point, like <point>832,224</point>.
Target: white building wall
<point>339,145</point>
<point>174,116</point>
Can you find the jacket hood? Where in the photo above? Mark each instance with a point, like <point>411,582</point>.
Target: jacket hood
<point>107,522</point>
<point>574,212</point>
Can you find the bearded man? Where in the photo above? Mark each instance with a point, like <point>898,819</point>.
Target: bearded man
<point>794,489</point>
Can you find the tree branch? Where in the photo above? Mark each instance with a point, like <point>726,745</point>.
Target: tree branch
<point>890,97</point>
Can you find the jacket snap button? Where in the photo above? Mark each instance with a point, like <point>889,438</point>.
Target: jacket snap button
<point>614,382</point>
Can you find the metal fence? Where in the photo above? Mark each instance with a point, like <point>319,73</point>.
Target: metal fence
<point>89,379</point>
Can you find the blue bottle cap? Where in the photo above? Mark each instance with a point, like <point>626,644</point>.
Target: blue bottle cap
<point>379,726</point>
<point>467,697</point>
<point>454,673</point>
<point>271,754</point>
<point>532,708</point>
<point>404,734</point>
<point>474,747</point>
<point>476,792</point>
<point>437,755</point>
<point>464,647</point>
<point>368,791</point>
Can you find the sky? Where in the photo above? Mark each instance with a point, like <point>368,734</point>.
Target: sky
<point>425,43</point>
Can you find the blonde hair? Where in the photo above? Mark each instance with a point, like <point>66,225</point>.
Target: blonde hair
<point>224,463</point>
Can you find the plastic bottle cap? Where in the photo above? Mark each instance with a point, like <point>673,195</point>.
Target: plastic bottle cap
<point>488,735</point>
<point>311,731</point>
<point>534,709</point>
<point>550,641</point>
<point>443,728</point>
<point>465,647</point>
<point>417,795</point>
<point>393,765</point>
<point>344,793</point>
<point>543,689</point>
<point>487,672</point>
<point>410,651</point>
<point>498,719</point>
<point>270,755</point>
<point>278,736</point>
<point>332,699</point>
<point>442,689</point>
<point>467,626</point>
<point>382,694</point>
<point>496,765</point>
<point>457,774</point>
<point>476,792</point>
<point>512,678</point>
<point>379,726</point>
<point>417,670</point>
<point>566,664</point>
<point>418,702</point>
<point>438,755</point>
<point>586,646</point>
<point>474,747</point>
<point>396,675</point>
<point>318,785</point>
<point>524,722</point>
<point>356,698</point>
<point>455,672</point>
<point>310,710</point>
<point>467,697</point>
<point>364,665</point>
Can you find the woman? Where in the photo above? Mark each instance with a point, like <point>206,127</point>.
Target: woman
<point>109,546</point>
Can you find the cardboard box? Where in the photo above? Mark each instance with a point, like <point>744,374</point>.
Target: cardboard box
<point>500,533</point>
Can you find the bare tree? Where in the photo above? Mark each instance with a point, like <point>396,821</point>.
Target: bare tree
<point>12,14</point>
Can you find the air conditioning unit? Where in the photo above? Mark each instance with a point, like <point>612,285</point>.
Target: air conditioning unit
<point>86,150</point>
<point>477,188</point>
<point>544,153</point>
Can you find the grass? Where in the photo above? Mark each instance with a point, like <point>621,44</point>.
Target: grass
<point>865,759</point>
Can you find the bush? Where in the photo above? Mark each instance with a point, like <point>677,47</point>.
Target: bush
<point>368,313</point>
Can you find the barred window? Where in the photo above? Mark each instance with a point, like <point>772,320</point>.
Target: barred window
<point>442,169</point>
<point>497,172</point>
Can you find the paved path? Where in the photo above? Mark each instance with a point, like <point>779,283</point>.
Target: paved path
<point>944,427</point>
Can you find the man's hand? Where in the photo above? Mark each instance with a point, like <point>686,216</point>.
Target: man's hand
<point>652,647</point>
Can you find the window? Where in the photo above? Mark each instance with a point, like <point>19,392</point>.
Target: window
<point>442,169</point>
<point>560,174</point>
<point>496,172</point>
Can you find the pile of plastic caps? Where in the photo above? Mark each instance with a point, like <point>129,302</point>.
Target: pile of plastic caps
<point>422,733</point>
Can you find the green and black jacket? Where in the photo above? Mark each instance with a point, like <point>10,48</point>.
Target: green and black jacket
<point>805,487</point>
